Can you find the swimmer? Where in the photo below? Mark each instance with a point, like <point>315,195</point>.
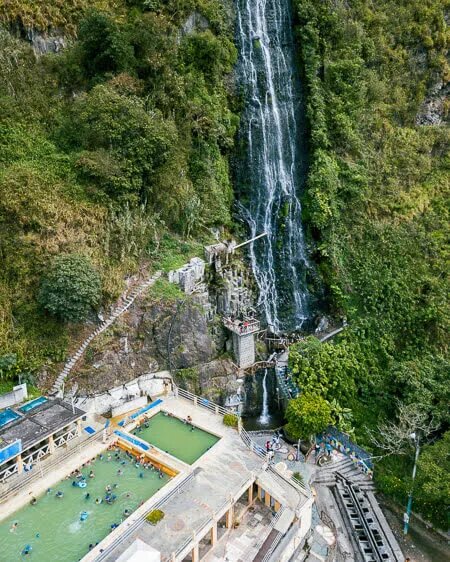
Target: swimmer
<point>92,474</point>
<point>27,549</point>
<point>108,488</point>
<point>13,527</point>
<point>49,491</point>
<point>98,501</point>
<point>91,546</point>
<point>59,494</point>
<point>33,501</point>
<point>160,474</point>
<point>101,457</point>
<point>109,457</point>
<point>126,512</point>
<point>38,535</point>
<point>141,475</point>
<point>119,472</point>
<point>74,483</point>
<point>87,496</point>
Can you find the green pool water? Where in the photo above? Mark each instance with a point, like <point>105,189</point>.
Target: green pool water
<point>175,437</point>
<point>62,536</point>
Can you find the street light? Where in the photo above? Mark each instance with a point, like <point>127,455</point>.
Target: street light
<point>406,517</point>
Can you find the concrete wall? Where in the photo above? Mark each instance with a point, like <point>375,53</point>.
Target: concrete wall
<point>17,395</point>
<point>244,350</point>
<point>130,405</point>
<point>151,384</point>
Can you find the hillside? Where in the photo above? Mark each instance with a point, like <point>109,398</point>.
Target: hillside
<point>377,207</point>
<point>115,148</point>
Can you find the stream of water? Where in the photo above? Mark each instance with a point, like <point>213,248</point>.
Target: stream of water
<point>265,417</point>
<point>271,168</point>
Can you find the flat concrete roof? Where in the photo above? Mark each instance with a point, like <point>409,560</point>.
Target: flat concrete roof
<point>40,422</point>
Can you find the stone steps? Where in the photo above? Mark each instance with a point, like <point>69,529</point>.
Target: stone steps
<point>103,326</point>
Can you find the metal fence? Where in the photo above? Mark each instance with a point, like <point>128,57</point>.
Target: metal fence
<point>202,402</point>
<point>140,520</point>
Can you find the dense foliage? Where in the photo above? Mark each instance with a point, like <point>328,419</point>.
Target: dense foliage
<point>115,148</point>
<point>376,208</point>
<point>70,288</point>
<point>307,415</point>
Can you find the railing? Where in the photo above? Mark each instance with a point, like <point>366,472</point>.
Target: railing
<point>262,539</point>
<point>35,456</point>
<point>203,402</point>
<point>198,532</point>
<point>7,472</point>
<point>242,327</point>
<point>54,460</point>
<point>139,521</point>
<point>66,437</point>
<point>258,450</point>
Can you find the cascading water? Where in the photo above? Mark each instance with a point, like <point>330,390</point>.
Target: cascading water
<point>272,159</point>
<point>264,418</point>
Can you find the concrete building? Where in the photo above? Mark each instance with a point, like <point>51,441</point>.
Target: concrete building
<point>33,431</point>
<point>243,340</point>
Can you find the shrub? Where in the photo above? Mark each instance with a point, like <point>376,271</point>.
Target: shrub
<point>70,288</point>
<point>155,516</point>
<point>230,420</point>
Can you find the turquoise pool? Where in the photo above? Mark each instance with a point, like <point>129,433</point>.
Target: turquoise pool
<point>53,528</point>
<point>175,437</point>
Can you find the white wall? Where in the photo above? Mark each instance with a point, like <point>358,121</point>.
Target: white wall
<point>17,395</point>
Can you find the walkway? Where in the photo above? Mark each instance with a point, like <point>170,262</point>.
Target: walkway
<point>118,311</point>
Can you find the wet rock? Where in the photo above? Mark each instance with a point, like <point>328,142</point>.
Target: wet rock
<point>433,110</point>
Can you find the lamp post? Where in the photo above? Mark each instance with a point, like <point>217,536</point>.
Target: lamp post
<point>406,517</point>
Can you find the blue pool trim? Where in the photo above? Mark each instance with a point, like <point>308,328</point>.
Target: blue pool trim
<point>7,416</point>
<point>146,409</point>
<point>136,442</point>
<point>33,404</point>
<point>142,411</point>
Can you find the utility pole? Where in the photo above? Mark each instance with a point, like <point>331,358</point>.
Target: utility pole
<point>407,515</point>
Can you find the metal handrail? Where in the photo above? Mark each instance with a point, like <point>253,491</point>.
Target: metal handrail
<point>27,478</point>
<point>203,402</point>
<point>138,522</point>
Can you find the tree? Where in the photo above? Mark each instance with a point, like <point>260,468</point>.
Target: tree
<point>104,47</point>
<point>399,437</point>
<point>433,481</point>
<point>307,415</point>
<point>123,143</point>
<point>70,288</point>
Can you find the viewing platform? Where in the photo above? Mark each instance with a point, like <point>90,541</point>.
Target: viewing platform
<point>242,327</point>
<point>243,339</point>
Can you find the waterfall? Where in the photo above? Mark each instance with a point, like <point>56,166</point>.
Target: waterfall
<point>272,159</point>
<point>265,417</point>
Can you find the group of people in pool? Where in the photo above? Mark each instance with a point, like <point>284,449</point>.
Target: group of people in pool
<point>79,480</point>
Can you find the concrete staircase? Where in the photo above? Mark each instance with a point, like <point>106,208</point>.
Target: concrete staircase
<point>327,477</point>
<point>118,311</point>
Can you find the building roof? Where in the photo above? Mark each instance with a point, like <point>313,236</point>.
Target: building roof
<point>40,422</point>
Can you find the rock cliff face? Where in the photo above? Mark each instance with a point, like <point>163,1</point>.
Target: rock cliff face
<point>151,337</point>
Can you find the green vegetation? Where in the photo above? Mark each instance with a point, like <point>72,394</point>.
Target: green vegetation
<point>155,516</point>
<point>70,288</point>
<point>307,415</point>
<point>375,205</point>
<point>116,149</point>
<point>230,420</point>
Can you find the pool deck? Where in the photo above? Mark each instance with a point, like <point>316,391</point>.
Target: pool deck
<point>206,491</point>
<point>221,476</point>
